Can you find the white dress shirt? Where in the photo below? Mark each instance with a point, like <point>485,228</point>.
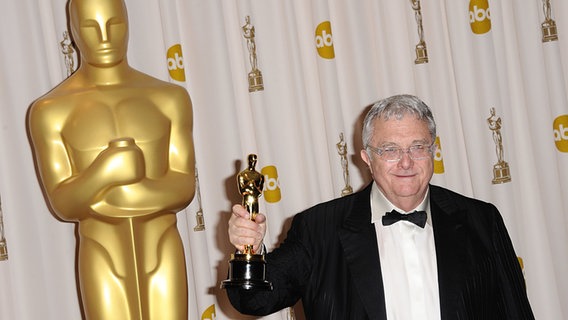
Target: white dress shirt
<point>408,262</point>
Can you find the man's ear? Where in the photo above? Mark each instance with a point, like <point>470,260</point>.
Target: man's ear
<point>366,159</point>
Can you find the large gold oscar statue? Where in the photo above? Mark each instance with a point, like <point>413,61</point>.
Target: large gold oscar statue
<point>114,151</point>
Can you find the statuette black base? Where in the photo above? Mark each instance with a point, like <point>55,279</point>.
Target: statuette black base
<point>247,271</point>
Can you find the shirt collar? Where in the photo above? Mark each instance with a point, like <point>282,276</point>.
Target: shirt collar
<point>380,205</point>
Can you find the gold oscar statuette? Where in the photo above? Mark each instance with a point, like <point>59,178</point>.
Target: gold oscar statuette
<point>67,51</point>
<point>501,171</point>
<point>200,219</point>
<point>549,31</point>
<point>247,270</point>
<point>254,76</point>
<point>342,150</point>
<point>114,155</point>
<point>3,244</point>
<point>421,50</point>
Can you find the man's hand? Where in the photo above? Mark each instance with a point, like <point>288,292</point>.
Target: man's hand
<point>243,231</point>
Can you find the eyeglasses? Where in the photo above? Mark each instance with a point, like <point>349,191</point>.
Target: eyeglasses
<point>393,154</point>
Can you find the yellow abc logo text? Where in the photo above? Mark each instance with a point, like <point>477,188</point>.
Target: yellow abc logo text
<point>324,40</point>
<point>271,184</point>
<point>438,159</point>
<point>560,130</point>
<point>175,63</point>
<point>209,313</point>
<point>479,16</point>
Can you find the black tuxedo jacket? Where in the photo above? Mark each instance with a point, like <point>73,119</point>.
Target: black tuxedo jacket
<point>330,260</point>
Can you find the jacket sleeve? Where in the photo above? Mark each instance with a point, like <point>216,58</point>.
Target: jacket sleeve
<point>514,303</point>
<point>287,268</point>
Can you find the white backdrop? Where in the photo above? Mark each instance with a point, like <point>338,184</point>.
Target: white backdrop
<point>310,97</point>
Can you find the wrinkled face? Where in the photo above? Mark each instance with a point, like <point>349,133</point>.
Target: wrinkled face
<point>100,30</point>
<point>403,182</point>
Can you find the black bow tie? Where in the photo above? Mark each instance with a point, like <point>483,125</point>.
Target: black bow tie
<point>416,217</point>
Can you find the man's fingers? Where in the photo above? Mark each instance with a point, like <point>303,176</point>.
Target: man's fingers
<point>260,218</point>
<point>240,212</point>
<point>243,231</point>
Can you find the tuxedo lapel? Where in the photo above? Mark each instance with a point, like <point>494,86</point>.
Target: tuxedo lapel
<point>359,242</point>
<point>450,240</point>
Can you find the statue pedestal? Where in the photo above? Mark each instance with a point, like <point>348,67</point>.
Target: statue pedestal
<point>501,173</point>
<point>247,271</point>
<point>3,250</point>
<point>255,81</point>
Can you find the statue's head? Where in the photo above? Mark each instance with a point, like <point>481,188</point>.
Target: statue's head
<point>252,160</point>
<point>100,30</point>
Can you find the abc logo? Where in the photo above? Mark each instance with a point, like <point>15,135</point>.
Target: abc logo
<point>438,159</point>
<point>560,129</point>
<point>479,16</point>
<point>209,313</point>
<point>175,63</point>
<point>522,264</point>
<point>324,40</point>
<point>271,184</point>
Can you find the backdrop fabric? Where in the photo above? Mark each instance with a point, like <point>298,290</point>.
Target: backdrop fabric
<point>492,71</point>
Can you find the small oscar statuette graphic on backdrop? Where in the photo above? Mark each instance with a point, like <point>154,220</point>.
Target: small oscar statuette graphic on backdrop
<point>501,172</point>
<point>254,76</point>
<point>3,245</point>
<point>67,50</point>
<point>247,270</point>
<point>200,220</point>
<point>342,150</point>
<point>549,31</point>
<point>421,50</point>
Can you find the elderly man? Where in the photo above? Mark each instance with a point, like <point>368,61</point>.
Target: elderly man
<point>399,249</point>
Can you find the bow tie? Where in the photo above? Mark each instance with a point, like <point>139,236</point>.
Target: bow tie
<point>416,217</point>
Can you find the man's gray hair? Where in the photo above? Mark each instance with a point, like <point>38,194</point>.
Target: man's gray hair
<point>396,107</point>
